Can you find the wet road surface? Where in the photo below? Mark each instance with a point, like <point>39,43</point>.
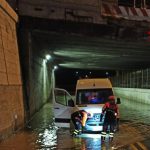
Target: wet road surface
<point>42,134</point>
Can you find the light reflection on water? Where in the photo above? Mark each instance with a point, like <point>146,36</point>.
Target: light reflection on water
<point>50,137</point>
<point>43,125</point>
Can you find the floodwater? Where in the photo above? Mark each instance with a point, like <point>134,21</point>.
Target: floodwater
<point>42,134</point>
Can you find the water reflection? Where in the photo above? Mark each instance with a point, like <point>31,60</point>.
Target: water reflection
<point>48,138</point>
<point>43,125</point>
<point>42,134</point>
<point>91,141</point>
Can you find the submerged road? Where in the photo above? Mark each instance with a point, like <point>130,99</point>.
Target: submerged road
<point>42,134</point>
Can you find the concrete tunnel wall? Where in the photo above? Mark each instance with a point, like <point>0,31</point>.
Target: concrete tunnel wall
<point>133,94</point>
<point>40,73</point>
<point>36,73</point>
<point>11,95</point>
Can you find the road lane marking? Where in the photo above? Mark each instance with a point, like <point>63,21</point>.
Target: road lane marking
<point>142,146</point>
<point>133,147</point>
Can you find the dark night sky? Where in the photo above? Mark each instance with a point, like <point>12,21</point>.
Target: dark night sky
<point>67,78</point>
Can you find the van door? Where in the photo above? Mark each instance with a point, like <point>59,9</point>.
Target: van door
<point>63,107</point>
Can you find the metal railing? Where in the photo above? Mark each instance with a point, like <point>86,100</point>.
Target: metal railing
<point>133,79</point>
<point>135,3</point>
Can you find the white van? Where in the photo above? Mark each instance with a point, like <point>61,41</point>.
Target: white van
<point>91,95</point>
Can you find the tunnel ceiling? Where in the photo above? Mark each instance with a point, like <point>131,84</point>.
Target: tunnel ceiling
<point>78,51</point>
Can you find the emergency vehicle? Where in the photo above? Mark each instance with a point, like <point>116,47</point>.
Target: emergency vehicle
<point>91,95</point>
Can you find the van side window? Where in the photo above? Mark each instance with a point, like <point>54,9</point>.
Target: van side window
<point>61,97</point>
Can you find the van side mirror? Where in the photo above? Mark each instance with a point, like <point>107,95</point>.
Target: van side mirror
<point>71,103</point>
<point>118,100</point>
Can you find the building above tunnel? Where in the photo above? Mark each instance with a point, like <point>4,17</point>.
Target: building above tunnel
<point>95,11</point>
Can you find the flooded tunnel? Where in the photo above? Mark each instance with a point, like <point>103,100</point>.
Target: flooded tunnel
<point>112,50</point>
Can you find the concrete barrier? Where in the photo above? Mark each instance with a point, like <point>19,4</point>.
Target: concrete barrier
<point>134,94</point>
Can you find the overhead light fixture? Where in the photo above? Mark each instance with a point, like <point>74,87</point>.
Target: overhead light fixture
<point>48,57</point>
<point>107,73</point>
<point>55,67</point>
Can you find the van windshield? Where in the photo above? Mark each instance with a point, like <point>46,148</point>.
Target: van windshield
<point>93,96</point>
